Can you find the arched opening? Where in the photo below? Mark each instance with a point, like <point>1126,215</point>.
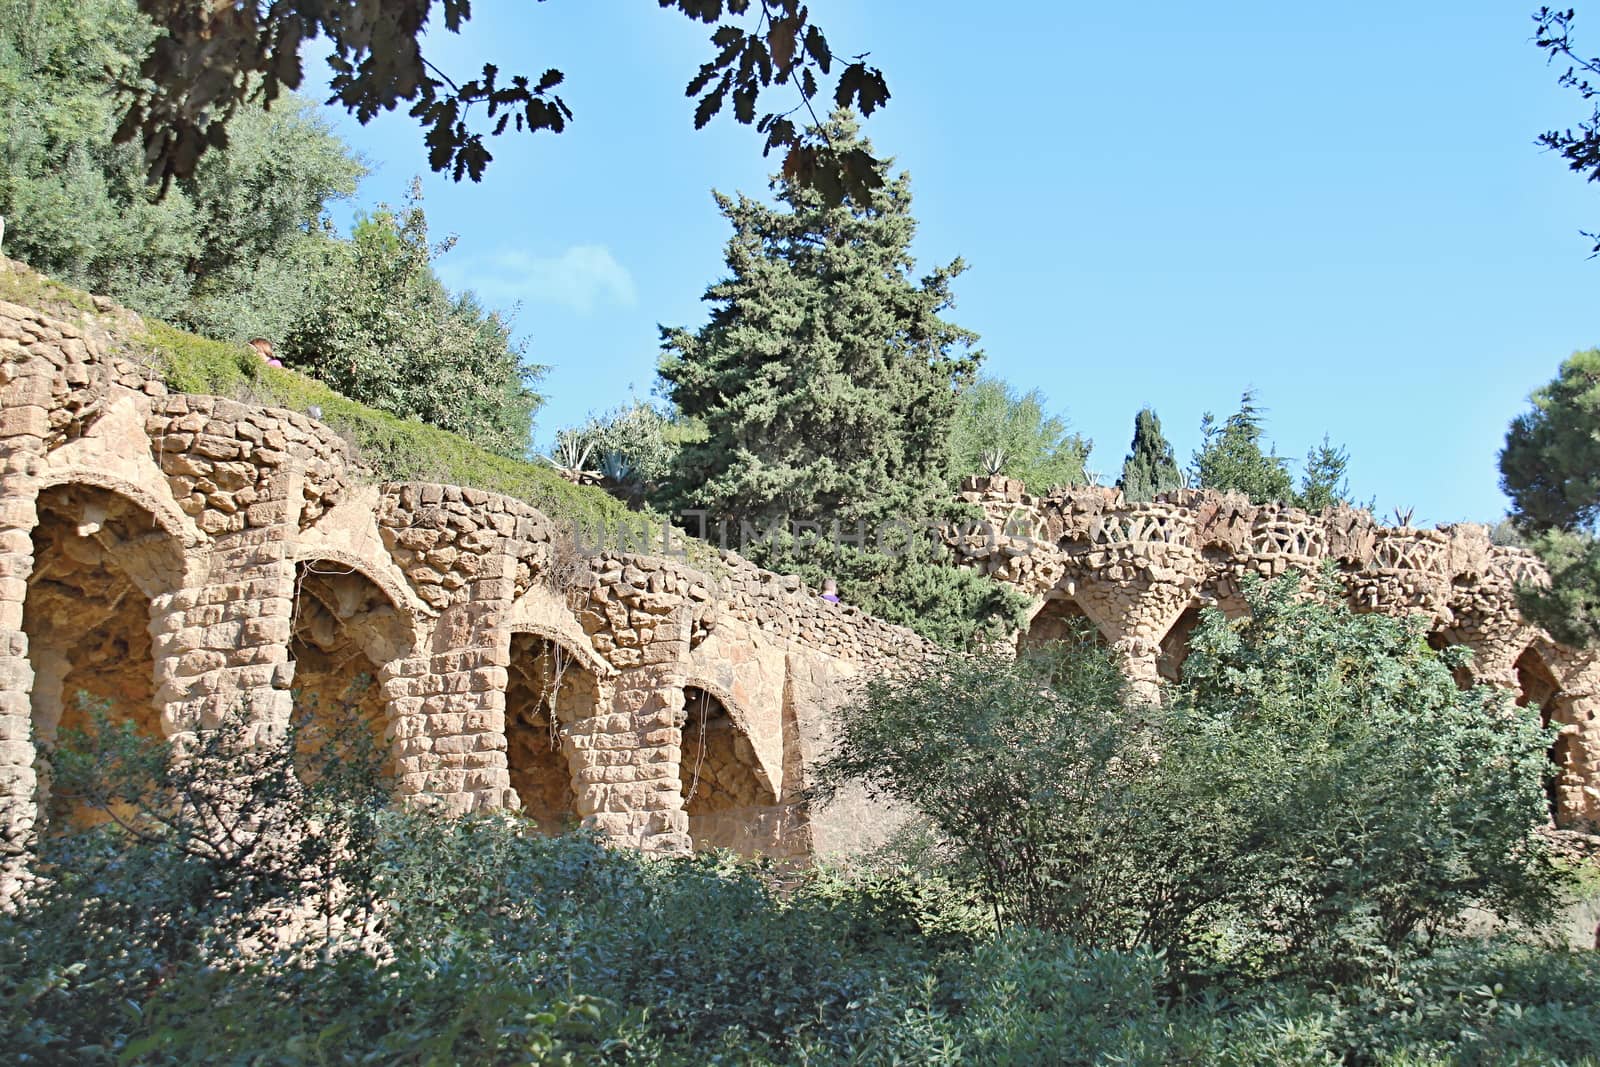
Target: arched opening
<point>345,629</point>
<point>1537,686</point>
<point>99,559</point>
<point>724,792</point>
<point>1060,619</point>
<point>1439,640</point>
<point>1175,646</point>
<point>549,689</point>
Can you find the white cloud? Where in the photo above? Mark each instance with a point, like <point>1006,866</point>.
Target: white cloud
<point>583,278</point>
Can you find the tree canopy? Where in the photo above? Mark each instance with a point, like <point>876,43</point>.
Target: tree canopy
<point>380,327</point>
<point>998,430</point>
<point>230,249</point>
<point>1231,458</point>
<point>1323,483</point>
<point>826,378</point>
<point>1580,147</point>
<point>1550,468</point>
<point>216,58</point>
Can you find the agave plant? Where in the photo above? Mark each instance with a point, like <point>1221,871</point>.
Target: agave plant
<point>570,457</point>
<point>617,468</point>
<point>993,460</point>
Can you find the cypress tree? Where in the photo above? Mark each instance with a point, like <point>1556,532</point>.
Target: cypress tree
<point>1150,468</point>
<point>826,378</point>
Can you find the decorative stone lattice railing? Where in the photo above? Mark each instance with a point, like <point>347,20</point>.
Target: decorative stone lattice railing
<point>1138,570</point>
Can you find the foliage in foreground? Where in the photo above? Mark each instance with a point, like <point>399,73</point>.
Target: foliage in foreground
<point>1317,798</point>
<point>486,943</point>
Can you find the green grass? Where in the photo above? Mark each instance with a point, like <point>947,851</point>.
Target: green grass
<point>396,449</point>
<point>36,291</point>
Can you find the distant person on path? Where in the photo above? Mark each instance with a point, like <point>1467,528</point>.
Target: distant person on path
<point>830,590</point>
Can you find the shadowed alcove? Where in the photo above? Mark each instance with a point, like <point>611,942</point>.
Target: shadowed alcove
<point>345,628</point>
<point>724,790</point>
<point>99,560</point>
<point>549,689</point>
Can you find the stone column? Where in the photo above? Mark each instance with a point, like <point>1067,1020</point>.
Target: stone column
<point>459,550</point>
<point>50,669</point>
<point>448,706</point>
<point>223,645</point>
<point>627,758</point>
<point>25,399</point>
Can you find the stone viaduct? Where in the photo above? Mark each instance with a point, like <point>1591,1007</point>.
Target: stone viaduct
<point>182,556</point>
<point>1141,573</point>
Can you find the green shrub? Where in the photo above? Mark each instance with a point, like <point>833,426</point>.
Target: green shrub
<point>486,943</point>
<point>1317,798</point>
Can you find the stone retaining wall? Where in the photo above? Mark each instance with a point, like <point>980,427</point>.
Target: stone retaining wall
<point>229,555</point>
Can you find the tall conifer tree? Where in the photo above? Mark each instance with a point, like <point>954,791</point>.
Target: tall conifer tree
<point>826,378</point>
<point>1323,483</point>
<point>1231,460</point>
<point>1151,467</point>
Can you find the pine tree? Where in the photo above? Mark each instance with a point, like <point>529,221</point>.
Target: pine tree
<point>1150,468</point>
<point>1230,459</point>
<point>826,379</point>
<point>1323,483</point>
<point>1550,468</point>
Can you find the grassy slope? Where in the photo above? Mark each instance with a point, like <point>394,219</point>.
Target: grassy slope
<point>396,449</point>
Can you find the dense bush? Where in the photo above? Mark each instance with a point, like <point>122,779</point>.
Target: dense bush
<point>1316,798</point>
<point>362,934</point>
<point>378,326</point>
<point>1265,872</point>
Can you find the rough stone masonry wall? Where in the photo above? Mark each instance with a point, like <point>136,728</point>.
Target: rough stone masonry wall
<point>249,545</point>
<point>247,542</point>
<point>1140,570</point>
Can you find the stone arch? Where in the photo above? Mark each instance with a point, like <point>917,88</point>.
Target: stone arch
<point>162,514</point>
<point>726,793</point>
<point>346,631</point>
<point>1440,638</point>
<point>380,572</point>
<point>104,569</point>
<point>1057,618</point>
<point>550,687</point>
<point>1174,648</point>
<point>1538,686</point>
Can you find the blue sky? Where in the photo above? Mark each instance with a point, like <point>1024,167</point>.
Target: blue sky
<point>1340,206</point>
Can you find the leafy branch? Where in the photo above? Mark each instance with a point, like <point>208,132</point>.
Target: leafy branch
<point>217,55</point>
<point>1580,148</point>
